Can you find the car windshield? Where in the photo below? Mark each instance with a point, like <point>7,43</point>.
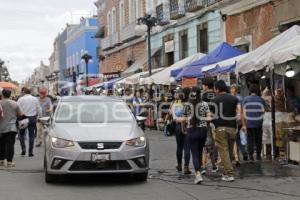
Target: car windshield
<point>92,112</point>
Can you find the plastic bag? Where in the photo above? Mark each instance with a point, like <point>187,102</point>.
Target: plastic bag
<point>243,137</point>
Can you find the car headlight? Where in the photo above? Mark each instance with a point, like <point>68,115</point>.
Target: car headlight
<point>138,142</point>
<point>61,143</point>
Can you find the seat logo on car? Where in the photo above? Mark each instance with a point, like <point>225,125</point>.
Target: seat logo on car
<point>100,146</point>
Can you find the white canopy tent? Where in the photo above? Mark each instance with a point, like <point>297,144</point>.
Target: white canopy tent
<point>137,78</point>
<point>163,77</point>
<point>262,56</point>
<point>289,51</point>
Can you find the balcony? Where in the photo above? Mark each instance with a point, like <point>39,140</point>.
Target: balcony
<point>106,43</point>
<point>176,10</point>
<point>211,2</point>
<point>162,16</point>
<point>116,39</point>
<point>194,5</point>
<point>128,33</point>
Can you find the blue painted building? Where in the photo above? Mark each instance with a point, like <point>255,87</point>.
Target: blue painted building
<point>62,53</point>
<point>187,30</point>
<point>81,38</point>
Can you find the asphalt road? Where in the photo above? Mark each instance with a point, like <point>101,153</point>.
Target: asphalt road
<point>257,181</point>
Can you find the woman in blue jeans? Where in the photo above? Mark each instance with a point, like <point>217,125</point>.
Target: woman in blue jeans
<point>198,115</point>
<point>177,112</point>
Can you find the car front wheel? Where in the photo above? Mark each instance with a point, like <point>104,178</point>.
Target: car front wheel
<point>141,177</point>
<point>49,178</point>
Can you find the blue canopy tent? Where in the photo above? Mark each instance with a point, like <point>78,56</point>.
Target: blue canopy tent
<point>194,70</point>
<point>220,70</point>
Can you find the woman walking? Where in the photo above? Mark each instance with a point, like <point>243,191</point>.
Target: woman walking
<point>177,112</point>
<point>8,129</point>
<point>198,115</point>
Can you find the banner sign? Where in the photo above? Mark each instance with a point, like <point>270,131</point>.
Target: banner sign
<point>189,82</point>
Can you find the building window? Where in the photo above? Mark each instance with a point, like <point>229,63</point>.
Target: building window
<point>243,43</point>
<point>202,37</point>
<point>77,58</point>
<point>286,26</point>
<point>139,8</point>
<point>114,21</point>
<point>70,61</point>
<point>132,11</point>
<point>183,44</point>
<point>122,15</point>
<point>108,18</point>
<point>245,48</point>
<point>160,12</point>
<point>169,48</point>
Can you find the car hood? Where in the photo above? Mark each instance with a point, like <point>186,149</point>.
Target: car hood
<point>93,132</point>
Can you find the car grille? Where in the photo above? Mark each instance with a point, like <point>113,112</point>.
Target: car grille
<point>103,166</point>
<point>93,145</point>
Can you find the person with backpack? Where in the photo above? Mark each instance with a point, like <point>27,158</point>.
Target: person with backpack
<point>197,118</point>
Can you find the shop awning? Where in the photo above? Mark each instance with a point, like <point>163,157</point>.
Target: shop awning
<point>137,78</point>
<point>289,51</point>
<point>137,66</point>
<point>262,56</point>
<point>223,66</point>
<point>163,77</point>
<point>222,52</point>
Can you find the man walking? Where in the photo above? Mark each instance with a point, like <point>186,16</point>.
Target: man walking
<point>211,150</point>
<point>226,124</point>
<point>8,129</point>
<point>30,107</point>
<point>254,108</point>
<point>46,106</point>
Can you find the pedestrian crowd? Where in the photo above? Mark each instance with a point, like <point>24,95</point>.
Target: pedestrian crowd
<point>213,125</point>
<point>19,118</point>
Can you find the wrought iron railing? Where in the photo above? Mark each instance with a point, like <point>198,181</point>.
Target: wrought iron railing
<point>176,9</point>
<point>194,5</point>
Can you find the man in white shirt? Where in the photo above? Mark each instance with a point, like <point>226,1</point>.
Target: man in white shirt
<point>31,109</point>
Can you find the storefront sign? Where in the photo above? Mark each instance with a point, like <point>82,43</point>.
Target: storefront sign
<point>189,82</point>
<point>111,76</point>
<point>169,46</point>
<point>225,77</point>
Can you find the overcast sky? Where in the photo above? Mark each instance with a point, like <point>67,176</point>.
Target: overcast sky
<point>28,29</point>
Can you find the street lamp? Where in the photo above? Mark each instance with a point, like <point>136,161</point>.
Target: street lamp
<point>86,58</point>
<point>146,24</point>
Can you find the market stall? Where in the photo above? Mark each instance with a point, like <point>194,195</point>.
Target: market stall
<point>221,53</point>
<point>277,62</point>
<point>163,77</point>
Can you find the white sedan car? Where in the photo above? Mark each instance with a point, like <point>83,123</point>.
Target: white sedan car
<point>94,135</point>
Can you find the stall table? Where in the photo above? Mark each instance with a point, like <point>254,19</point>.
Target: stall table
<point>293,144</point>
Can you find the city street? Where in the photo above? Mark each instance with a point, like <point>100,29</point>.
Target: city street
<point>259,181</point>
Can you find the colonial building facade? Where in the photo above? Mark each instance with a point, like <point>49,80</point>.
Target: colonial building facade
<point>251,23</point>
<point>120,46</point>
<point>189,26</point>
<point>81,38</point>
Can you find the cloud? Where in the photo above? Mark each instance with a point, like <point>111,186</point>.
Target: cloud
<point>28,29</point>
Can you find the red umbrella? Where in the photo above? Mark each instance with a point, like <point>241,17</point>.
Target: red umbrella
<point>7,85</point>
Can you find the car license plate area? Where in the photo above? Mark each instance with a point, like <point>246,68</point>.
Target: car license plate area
<point>100,157</point>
